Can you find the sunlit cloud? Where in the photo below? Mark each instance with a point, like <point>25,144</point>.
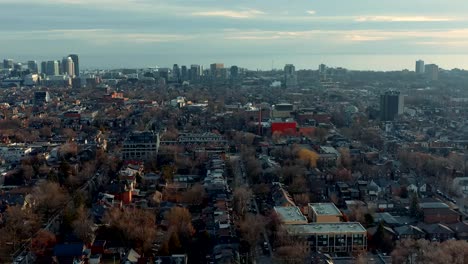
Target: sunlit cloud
<point>403,19</point>
<point>311,12</point>
<point>230,13</point>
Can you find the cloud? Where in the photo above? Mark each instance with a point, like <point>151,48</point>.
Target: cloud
<point>403,19</point>
<point>95,36</point>
<point>250,13</point>
<point>311,12</point>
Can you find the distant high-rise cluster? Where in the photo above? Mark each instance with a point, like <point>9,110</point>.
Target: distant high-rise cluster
<point>67,66</point>
<point>430,71</point>
<point>51,73</point>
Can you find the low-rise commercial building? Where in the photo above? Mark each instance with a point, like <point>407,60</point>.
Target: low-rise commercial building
<point>324,213</point>
<point>332,237</point>
<point>290,215</point>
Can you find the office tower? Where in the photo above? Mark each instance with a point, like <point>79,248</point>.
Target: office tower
<point>391,105</point>
<point>195,72</point>
<point>76,63</point>
<point>234,72</point>
<point>52,68</point>
<point>420,67</point>
<point>215,70</point>
<point>32,66</point>
<point>290,78</point>
<point>68,67</point>
<point>18,66</point>
<point>176,72</point>
<point>432,72</point>
<point>44,67</point>
<point>8,64</point>
<point>322,69</point>
<point>184,73</point>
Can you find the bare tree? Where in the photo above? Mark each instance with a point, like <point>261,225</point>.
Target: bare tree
<point>20,224</point>
<point>423,251</point>
<point>251,229</point>
<point>83,226</point>
<point>291,249</point>
<point>137,225</point>
<point>195,195</point>
<point>49,197</point>
<point>180,220</point>
<point>42,242</point>
<point>242,196</point>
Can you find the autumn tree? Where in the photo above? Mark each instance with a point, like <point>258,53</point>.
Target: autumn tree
<point>136,225</point>
<point>195,195</point>
<point>180,220</point>
<point>309,157</point>
<point>345,158</point>
<point>43,242</point>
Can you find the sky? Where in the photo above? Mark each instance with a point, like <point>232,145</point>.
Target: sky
<point>357,34</point>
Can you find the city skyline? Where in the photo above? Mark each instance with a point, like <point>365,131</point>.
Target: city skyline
<point>351,34</point>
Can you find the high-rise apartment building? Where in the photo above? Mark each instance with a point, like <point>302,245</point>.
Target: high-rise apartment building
<point>68,66</point>
<point>32,67</point>
<point>44,67</point>
<point>216,70</point>
<point>76,64</point>
<point>432,72</point>
<point>195,72</point>
<point>290,77</point>
<point>234,72</point>
<point>8,64</point>
<point>176,72</point>
<point>184,73</point>
<point>52,68</point>
<point>420,67</point>
<point>391,105</point>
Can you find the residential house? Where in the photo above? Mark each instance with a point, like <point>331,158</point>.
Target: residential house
<point>409,232</point>
<point>460,229</point>
<point>440,215</point>
<point>437,232</point>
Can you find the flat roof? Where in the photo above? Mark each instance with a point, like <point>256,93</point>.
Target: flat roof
<point>325,209</point>
<point>325,228</point>
<point>290,214</point>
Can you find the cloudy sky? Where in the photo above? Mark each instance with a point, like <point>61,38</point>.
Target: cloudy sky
<point>253,33</point>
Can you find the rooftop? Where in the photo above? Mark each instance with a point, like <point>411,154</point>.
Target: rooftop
<point>324,228</point>
<point>290,214</point>
<point>325,209</point>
